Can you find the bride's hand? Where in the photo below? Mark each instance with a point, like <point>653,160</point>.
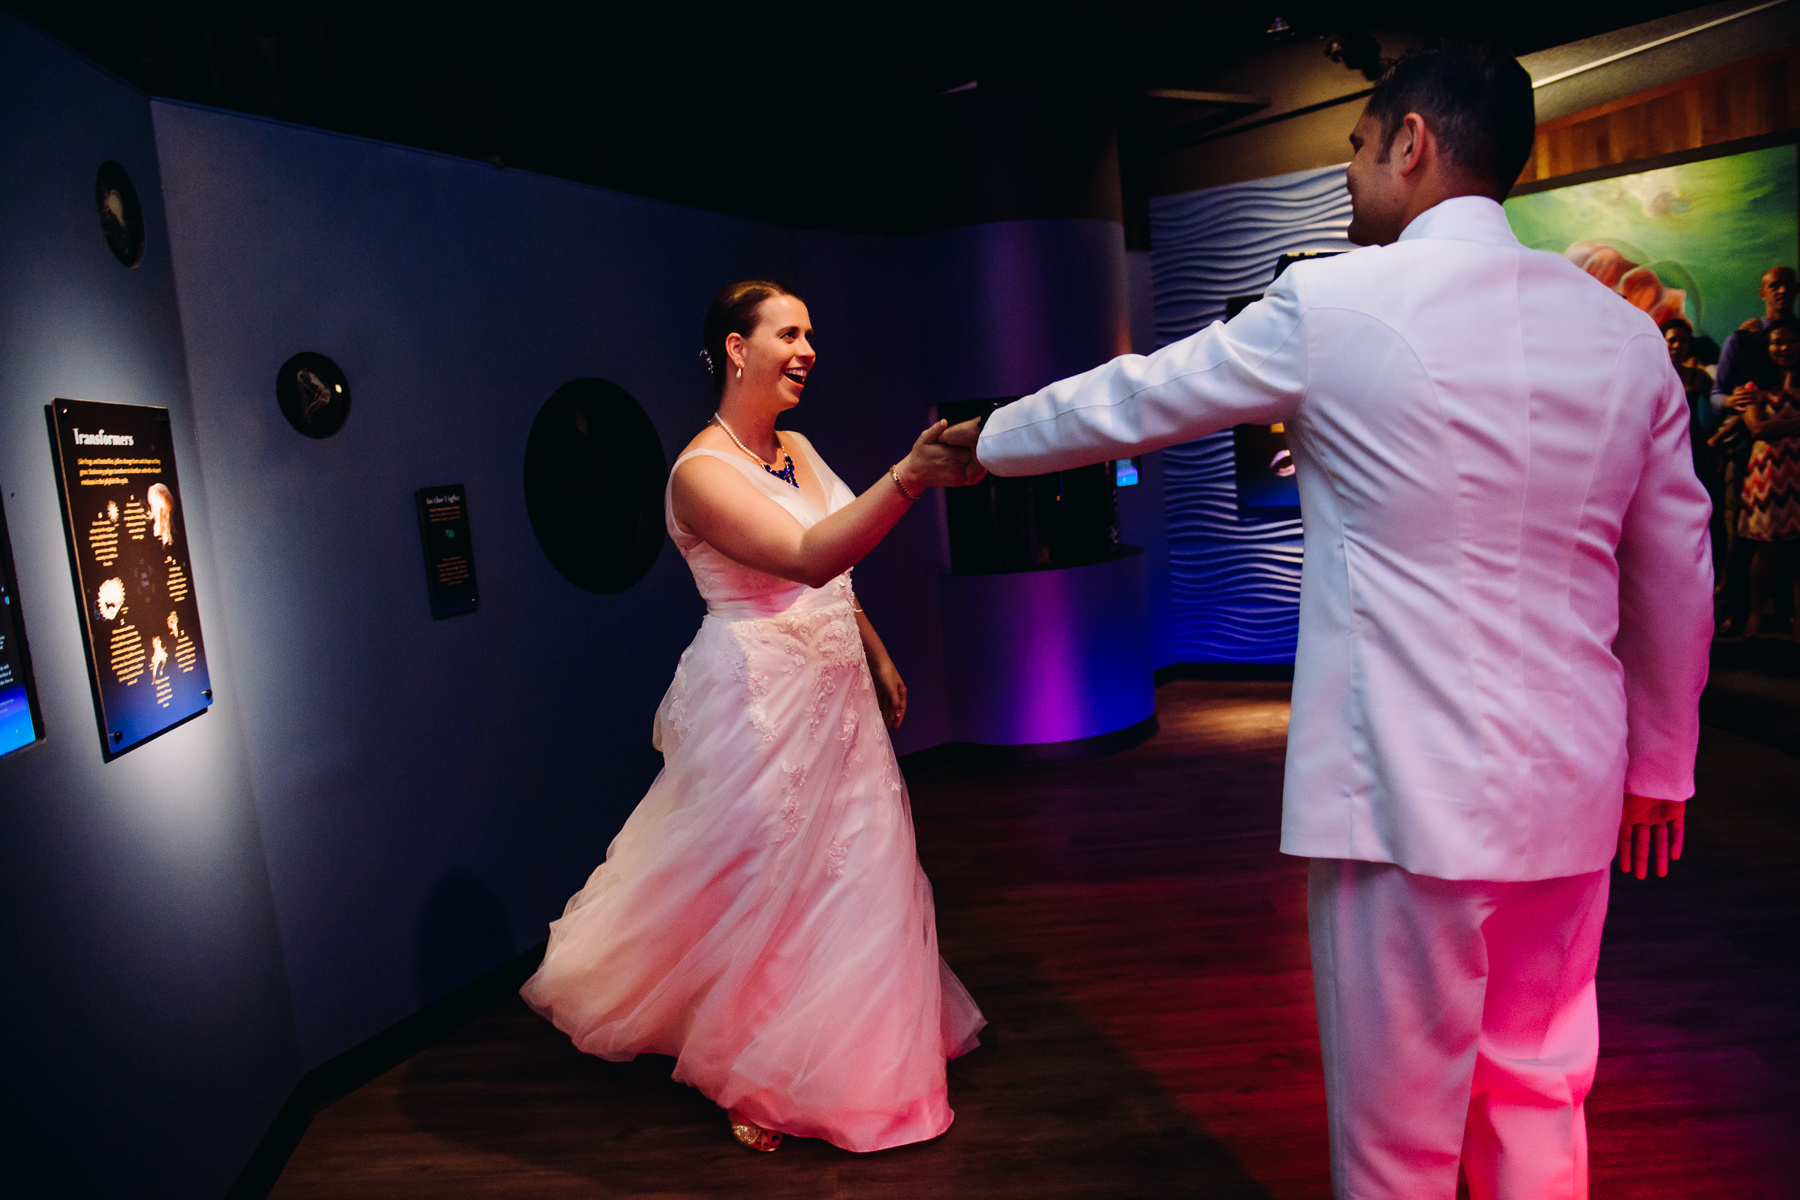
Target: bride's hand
<point>890,692</point>
<point>933,462</point>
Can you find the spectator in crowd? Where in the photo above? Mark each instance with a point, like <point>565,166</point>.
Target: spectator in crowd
<point>1697,383</point>
<point>1678,332</point>
<point>1770,516</point>
<point>1706,352</point>
<point>1744,360</point>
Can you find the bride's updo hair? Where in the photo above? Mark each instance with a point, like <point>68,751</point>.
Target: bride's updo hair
<point>733,310</point>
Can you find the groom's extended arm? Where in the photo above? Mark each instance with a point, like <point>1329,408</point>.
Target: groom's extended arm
<point>1250,370</point>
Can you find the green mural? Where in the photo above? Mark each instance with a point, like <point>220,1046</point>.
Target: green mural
<point>1691,240</point>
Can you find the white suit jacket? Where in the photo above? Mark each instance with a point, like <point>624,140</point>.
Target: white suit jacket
<point>1505,606</point>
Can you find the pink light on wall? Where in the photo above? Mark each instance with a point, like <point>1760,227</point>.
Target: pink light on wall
<point>1049,656</point>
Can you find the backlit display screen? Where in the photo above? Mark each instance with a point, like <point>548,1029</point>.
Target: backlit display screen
<point>20,723</point>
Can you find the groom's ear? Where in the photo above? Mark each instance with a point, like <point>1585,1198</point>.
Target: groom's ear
<point>1416,147</point>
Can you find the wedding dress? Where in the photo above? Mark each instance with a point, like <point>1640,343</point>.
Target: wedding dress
<point>762,916</point>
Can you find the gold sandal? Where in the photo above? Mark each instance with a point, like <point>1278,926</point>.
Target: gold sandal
<point>752,1135</point>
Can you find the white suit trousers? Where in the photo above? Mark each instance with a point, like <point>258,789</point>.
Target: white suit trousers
<point>1458,1023</point>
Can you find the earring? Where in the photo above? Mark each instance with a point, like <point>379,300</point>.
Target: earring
<point>740,372</point>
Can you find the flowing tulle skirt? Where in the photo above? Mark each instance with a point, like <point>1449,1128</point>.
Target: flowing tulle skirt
<point>762,916</point>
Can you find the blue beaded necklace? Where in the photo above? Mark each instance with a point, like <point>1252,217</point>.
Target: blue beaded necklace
<point>786,472</point>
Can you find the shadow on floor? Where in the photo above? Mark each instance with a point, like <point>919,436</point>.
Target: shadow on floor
<point>1044,1108</point>
<point>1138,945</point>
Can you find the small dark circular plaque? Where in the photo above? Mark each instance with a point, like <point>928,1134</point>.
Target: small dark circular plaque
<point>313,394</point>
<point>594,474</point>
<point>121,216</point>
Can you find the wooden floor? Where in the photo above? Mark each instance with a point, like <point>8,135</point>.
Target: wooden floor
<point>1139,946</point>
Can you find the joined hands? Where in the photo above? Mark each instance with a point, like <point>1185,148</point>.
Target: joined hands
<point>937,461</point>
<point>965,433</point>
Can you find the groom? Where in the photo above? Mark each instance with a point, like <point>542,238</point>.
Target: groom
<point>1504,619</point>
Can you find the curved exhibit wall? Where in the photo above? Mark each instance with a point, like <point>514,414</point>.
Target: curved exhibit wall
<point>1233,577</point>
<point>431,792</point>
<point>397,759</point>
<point>144,1022</point>
<point>1051,656</point>
<point>1014,305</point>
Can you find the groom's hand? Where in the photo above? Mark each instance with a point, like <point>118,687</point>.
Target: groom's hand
<point>936,462</point>
<point>966,433</point>
<point>1650,828</point>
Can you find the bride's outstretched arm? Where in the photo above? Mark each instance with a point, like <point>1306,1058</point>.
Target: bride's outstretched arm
<point>713,501</point>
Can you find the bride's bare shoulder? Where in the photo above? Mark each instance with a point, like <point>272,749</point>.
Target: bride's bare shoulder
<point>709,438</point>
<point>805,441</point>
<point>707,475</point>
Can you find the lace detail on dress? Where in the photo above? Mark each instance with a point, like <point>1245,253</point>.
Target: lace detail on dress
<point>793,780</point>
<point>850,737</point>
<point>837,649</point>
<point>791,630</point>
<point>836,857</point>
<point>671,726</point>
<point>755,683</point>
<point>840,641</point>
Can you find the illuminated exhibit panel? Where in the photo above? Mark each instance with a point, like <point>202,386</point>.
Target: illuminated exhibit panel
<point>128,543</point>
<point>21,724</point>
<point>449,559</point>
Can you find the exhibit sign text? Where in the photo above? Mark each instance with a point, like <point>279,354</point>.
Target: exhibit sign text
<point>449,560</point>
<point>128,543</point>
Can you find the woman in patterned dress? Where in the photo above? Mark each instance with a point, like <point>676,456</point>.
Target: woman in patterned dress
<point>1771,508</point>
<point>762,917</point>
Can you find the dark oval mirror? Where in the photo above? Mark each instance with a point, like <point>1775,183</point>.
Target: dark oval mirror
<point>313,394</point>
<point>121,216</point>
<point>594,475</point>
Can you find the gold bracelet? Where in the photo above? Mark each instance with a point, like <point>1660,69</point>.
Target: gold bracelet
<point>894,473</point>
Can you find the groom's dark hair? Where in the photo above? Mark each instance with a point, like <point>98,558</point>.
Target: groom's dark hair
<point>1475,99</point>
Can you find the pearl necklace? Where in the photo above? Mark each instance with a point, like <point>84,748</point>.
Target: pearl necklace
<point>786,472</point>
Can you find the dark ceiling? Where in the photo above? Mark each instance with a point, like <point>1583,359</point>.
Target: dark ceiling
<point>807,115</point>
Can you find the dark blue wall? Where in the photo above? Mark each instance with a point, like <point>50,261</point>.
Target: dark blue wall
<point>430,791</point>
<point>145,1033</point>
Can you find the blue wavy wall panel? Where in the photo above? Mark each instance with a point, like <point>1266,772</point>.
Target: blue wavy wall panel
<point>1234,581</point>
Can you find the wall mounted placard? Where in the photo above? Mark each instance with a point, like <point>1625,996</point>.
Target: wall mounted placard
<point>21,723</point>
<point>449,560</point>
<point>121,216</point>
<point>128,542</point>
<point>313,394</point>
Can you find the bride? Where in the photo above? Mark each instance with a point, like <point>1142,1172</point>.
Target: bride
<point>762,916</point>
